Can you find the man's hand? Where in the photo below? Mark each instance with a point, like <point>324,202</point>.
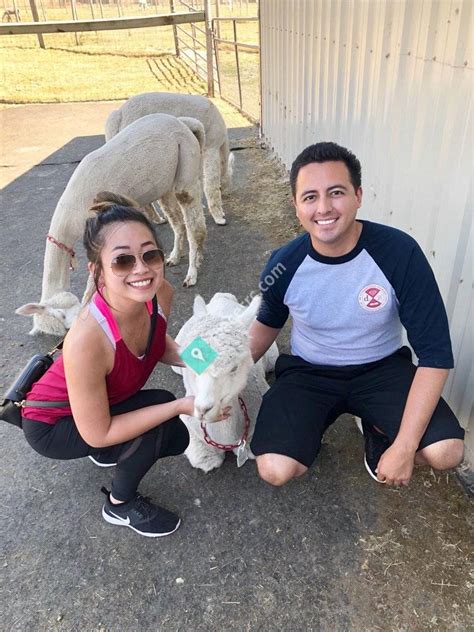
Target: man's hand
<point>396,466</point>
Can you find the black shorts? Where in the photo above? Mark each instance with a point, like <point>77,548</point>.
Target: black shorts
<point>306,399</point>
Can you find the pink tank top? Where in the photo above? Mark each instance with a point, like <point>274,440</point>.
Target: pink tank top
<point>128,375</point>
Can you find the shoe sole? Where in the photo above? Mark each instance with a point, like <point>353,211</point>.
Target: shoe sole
<point>371,473</point>
<point>101,464</point>
<point>119,523</point>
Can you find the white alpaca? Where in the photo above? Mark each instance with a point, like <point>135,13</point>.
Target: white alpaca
<point>217,162</point>
<point>64,307</point>
<point>231,380</point>
<point>157,157</point>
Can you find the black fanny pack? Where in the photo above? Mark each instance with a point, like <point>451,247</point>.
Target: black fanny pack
<point>15,397</point>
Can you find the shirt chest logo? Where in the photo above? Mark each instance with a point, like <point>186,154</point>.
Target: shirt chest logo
<point>373,297</point>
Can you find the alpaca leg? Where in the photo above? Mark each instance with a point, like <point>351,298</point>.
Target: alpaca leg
<point>212,185</point>
<point>227,166</point>
<point>190,202</point>
<point>203,456</point>
<point>153,214</point>
<point>171,209</point>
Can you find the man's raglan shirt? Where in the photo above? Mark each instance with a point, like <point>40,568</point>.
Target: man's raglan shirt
<point>350,310</point>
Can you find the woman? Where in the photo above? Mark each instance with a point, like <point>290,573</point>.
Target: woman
<point>108,355</point>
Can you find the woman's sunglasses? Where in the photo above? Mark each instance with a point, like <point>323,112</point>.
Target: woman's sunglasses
<point>124,264</point>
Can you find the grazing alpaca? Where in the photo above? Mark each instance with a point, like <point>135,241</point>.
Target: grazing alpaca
<point>64,307</point>
<point>217,162</point>
<point>231,380</point>
<point>157,157</point>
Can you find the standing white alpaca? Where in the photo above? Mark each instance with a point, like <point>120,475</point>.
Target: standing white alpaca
<point>217,162</point>
<point>231,380</point>
<point>157,157</point>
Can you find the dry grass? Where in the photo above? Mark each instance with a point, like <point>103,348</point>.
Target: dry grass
<point>110,65</point>
<point>49,76</point>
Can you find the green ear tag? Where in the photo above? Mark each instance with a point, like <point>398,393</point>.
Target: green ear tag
<point>198,355</point>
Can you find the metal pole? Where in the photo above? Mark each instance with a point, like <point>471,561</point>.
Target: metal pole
<point>218,24</point>
<point>175,30</point>
<point>209,55</point>
<point>34,11</point>
<point>234,22</point>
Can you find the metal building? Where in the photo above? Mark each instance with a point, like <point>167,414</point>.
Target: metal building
<point>393,82</point>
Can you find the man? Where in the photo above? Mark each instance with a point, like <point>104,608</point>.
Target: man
<point>350,286</point>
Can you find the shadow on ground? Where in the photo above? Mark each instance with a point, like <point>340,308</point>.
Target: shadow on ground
<point>331,551</point>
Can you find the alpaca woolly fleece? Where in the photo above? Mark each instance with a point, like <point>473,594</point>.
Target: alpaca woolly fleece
<point>217,160</point>
<point>156,157</point>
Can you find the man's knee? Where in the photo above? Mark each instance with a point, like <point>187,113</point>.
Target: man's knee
<point>278,469</point>
<point>443,455</point>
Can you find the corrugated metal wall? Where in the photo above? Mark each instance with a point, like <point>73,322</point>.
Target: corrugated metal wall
<point>393,82</point>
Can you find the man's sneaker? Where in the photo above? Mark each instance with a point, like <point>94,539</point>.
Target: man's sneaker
<point>375,445</point>
<point>141,515</point>
<point>98,460</point>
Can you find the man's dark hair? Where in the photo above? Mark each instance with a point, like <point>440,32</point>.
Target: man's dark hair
<point>326,152</point>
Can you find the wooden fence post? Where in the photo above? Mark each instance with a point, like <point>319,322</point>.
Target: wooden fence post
<point>209,55</point>
<point>34,11</point>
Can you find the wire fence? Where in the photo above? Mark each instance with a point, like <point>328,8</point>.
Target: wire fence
<point>236,61</point>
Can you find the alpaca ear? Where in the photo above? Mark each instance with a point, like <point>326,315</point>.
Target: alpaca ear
<point>199,307</point>
<point>251,312</point>
<point>31,308</point>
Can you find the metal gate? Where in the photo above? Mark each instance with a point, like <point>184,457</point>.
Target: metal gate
<point>236,56</point>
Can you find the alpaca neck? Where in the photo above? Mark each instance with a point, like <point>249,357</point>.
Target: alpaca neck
<point>55,271</point>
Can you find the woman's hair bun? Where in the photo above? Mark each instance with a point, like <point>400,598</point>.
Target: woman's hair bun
<point>105,200</point>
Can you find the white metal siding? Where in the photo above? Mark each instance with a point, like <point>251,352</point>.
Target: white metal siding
<point>393,82</point>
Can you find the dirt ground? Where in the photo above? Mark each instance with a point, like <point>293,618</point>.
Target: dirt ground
<point>331,551</point>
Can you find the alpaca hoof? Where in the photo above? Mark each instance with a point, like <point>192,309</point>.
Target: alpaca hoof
<point>190,280</point>
<point>220,221</point>
<point>172,260</point>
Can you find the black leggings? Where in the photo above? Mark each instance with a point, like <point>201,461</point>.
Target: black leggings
<point>134,458</point>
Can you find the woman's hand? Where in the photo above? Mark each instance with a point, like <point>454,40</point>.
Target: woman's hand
<point>186,407</point>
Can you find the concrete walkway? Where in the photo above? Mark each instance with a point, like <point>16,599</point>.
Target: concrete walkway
<point>332,551</point>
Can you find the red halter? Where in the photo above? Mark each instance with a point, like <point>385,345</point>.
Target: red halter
<point>229,447</point>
